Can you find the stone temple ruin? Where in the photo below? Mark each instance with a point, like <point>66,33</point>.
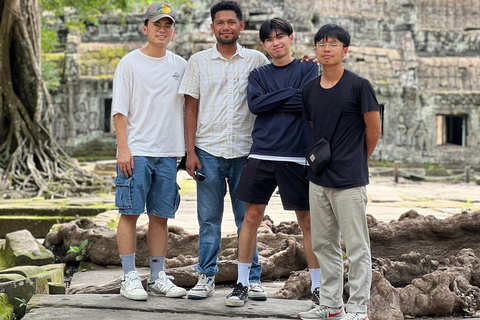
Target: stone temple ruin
<point>422,57</point>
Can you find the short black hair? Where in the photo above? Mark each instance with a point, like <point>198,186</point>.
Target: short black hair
<point>333,31</point>
<point>226,5</point>
<point>277,24</point>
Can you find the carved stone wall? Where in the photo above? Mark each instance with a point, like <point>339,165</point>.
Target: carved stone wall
<point>422,57</point>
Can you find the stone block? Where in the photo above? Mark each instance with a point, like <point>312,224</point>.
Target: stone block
<point>56,270</point>
<point>22,289</point>
<point>7,277</point>
<point>6,309</point>
<point>21,248</point>
<point>25,271</point>
<point>52,272</point>
<point>57,288</point>
<point>38,226</point>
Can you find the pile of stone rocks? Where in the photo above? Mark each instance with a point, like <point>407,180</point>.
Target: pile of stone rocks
<point>26,268</point>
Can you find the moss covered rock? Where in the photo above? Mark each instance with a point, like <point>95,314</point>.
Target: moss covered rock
<point>6,309</point>
<point>21,248</point>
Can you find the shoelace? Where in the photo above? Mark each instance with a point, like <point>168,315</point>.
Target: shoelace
<point>202,279</point>
<point>133,282</point>
<point>237,289</point>
<point>256,287</point>
<point>167,281</point>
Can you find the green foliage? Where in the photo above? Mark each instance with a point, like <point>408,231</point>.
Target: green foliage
<point>82,13</point>
<point>51,75</point>
<point>113,223</point>
<point>22,301</point>
<point>49,36</point>
<point>81,250</point>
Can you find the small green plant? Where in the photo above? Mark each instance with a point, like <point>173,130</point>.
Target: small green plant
<point>23,302</point>
<point>81,250</point>
<point>113,223</point>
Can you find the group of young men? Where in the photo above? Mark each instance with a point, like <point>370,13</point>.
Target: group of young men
<point>249,123</point>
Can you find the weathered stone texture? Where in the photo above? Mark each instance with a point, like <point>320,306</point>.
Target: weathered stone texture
<point>449,74</point>
<point>21,248</point>
<point>414,52</point>
<point>449,15</point>
<point>19,284</point>
<point>6,309</point>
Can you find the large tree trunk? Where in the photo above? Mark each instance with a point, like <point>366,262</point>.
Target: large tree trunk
<point>31,161</point>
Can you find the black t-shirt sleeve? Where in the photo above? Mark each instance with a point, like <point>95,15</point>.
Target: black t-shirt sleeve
<point>305,94</point>
<point>368,101</point>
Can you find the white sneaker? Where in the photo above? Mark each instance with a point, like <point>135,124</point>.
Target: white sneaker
<point>323,313</point>
<point>355,316</point>
<point>132,288</point>
<point>164,286</point>
<point>204,288</point>
<point>256,292</point>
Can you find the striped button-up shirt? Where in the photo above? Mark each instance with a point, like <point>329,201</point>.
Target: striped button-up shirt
<point>224,125</point>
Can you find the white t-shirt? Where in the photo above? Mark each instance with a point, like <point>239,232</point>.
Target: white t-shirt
<point>145,90</point>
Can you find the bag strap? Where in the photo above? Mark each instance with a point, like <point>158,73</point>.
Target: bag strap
<point>338,110</point>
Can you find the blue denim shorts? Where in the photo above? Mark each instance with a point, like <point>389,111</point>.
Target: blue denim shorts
<point>153,183</point>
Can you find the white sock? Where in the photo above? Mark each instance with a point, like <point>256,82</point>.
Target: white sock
<point>244,273</point>
<point>156,265</point>
<point>315,277</point>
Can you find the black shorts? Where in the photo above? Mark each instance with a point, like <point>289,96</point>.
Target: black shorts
<point>260,178</point>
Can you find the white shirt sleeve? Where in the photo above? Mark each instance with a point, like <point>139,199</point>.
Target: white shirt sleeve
<point>191,79</point>
<point>122,90</point>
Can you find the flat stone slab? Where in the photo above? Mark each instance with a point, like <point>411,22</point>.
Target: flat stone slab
<point>120,308</point>
<point>105,276</point>
<point>109,314</point>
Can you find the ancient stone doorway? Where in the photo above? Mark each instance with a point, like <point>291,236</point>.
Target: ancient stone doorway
<point>451,130</point>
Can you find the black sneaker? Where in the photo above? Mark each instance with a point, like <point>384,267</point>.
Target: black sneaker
<point>238,296</point>
<point>316,296</point>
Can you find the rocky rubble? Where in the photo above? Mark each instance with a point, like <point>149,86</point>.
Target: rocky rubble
<point>422,266</point>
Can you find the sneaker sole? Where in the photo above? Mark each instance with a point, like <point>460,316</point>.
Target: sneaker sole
<point>136,298</point>
<point>258,298</point>
<point>175,295</point>
<point>307,317</point>
<point>234,303</point>
<point>197,297</point>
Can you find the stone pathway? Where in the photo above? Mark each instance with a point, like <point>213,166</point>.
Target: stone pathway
<point>387,201</point>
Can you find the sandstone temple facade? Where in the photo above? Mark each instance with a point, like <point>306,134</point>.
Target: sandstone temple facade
<point>422,57</point>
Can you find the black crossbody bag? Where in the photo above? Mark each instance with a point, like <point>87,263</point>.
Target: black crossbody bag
<point>318,156</point>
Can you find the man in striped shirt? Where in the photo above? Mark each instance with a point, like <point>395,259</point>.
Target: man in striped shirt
<point>218,127</point>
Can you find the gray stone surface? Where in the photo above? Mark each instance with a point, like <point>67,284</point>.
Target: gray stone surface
<point>106,165</point>
<point>21,248</point>
<point>115,314</point>
<point>421,57</point>
<point>22,289</point>
<point>428,198</point>
<point>211,307</point>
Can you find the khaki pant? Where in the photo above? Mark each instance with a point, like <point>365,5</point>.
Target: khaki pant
<point>335,211</point>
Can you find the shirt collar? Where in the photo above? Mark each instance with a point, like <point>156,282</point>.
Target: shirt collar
<point>217,54</point>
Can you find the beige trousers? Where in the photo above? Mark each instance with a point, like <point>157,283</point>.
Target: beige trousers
<point>334,212</point>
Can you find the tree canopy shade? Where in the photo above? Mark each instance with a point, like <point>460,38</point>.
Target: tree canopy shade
<point>31,161</point>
